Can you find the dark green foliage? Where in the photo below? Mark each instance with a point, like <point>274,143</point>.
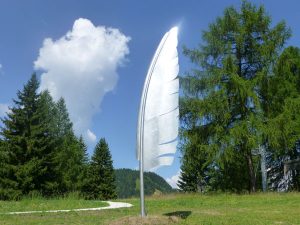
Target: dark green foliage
<point>71,163</point>
<point>64,124</point>
<point>194,166</point>
<point>71,152</point>
<point>8,187</point>
<point>39,152</point>
<point>223,109</point>
<point>28,140</point>
<point>100,180</point>
<point>128,184</point>
<point>40,161</point>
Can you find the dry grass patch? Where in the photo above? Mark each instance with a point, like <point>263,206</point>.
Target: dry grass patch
<point>149,220</point>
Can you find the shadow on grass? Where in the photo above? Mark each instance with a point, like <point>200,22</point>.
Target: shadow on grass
<point>180,214</point>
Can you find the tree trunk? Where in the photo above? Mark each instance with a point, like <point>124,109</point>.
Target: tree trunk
<point>252,186</point>
<point>262,152</point>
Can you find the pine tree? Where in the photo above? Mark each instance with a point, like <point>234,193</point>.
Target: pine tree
<point>17,133</point>
<point>45,141</point>
<point>223,94</point>
<point>8,186</point>
<point>39,151</point>
<point>71,156</point>
<point>194,168</point>
<point>100,182</point>
<point>29,143</point>
<point>84,163</point>
<point>64,124</point>
<point>83,151</point>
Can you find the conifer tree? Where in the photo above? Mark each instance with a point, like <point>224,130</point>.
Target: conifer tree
<point>71,156</point>
<point>194,168</point>
<point>83,151</point>
<point>28,140</point>
<point>64,124</point>
<point>84,163</point>
<point>17,130</point>
<point>100,182</point>
<point>44,137</point>
<point>282,126</point>
<point>8,185</point>
<point>39,151</point>
<point>222,100</point>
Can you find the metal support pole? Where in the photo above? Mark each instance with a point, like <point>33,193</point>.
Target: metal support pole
<point>143,214</point>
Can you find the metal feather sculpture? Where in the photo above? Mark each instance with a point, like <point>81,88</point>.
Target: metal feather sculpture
<point>158,121</point>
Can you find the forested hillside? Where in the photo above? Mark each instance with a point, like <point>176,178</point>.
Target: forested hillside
<point>128,183</point>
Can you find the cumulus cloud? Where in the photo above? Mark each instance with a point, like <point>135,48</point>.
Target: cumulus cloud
<point>174,180</point>
<point>1,69</point>
<point>3,110</point>
<point>91,136</point>
<point>81,67</point>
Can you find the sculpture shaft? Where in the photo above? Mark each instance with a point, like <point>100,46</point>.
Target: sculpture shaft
<point>140,134</point>
<point>143,214</point>
<point>158,110</point>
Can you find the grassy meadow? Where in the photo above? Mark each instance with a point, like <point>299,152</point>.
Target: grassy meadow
<point>256,209</point>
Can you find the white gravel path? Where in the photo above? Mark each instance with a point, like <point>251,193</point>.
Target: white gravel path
<point>112,205</point>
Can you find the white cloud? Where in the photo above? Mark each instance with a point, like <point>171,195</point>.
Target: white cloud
<point>174,179</point>
<point>1,69</point>
<point>91,136</point>
<point>3,109</point>
<point>81,66</point>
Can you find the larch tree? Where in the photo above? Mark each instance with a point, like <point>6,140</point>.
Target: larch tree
<point>221,100</point>
<point>282,118</point>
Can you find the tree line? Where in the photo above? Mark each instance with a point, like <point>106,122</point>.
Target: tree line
<point>240,108</point>
<point>40,154</point>
<point>239,121</point>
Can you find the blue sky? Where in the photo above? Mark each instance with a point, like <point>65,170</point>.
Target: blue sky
<point>26,24</point>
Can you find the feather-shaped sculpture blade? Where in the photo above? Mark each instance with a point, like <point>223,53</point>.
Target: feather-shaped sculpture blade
<point>158,117</point>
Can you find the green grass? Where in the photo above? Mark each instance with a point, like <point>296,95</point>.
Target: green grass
<point>227,209</point>
<point>41,204</point>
